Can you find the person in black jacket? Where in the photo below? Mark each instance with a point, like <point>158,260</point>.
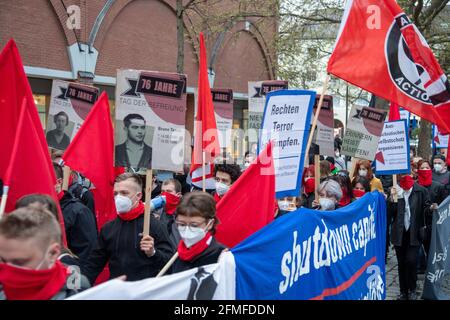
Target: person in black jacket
<point>171,190</point>
<point>196,222</point>
<point>408,215</point>
<point>121,242</point>
<point>79,221</point>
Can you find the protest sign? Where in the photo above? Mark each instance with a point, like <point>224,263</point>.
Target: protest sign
<point>439,140</point>
<point>150,115</point>
<point>223,108</point>
<point>286,122</point>
<point>257,91</point>
<point>70,103</point>
<point>392,155</point>
<point>323,140</point>
<point>438,267</point>
<point>363,132</point>
<point>405,114</point>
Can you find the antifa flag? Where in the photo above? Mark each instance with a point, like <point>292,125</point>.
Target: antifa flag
<point>393,60</point>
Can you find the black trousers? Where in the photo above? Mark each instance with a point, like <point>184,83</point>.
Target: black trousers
<point>407,264</point>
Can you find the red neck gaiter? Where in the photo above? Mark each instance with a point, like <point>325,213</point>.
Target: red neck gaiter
<point>345,200</point>
<point>187,254</point>
<point>425,177</point>
<point>133,213</point>
<point>358,193</point>
<point>217,197</point>
<point>172,202</point>
<point>309,185</point>
<point>60,195</point>
<point>25,284</point>
<point>406,182</point>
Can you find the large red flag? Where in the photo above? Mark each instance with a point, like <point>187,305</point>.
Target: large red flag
<point>206,136</point>
<point>394,112</point>
<point>14,87</point>
<point>380,50</point>
<point>91,153</point>
<point>249,205</point>
<point>30,169</point>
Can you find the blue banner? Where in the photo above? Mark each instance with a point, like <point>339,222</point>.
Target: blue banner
<point>309,254</point>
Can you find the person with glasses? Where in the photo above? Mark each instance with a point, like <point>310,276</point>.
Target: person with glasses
<point>196,221</point>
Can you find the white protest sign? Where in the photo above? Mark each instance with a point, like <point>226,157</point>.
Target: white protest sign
<point>392,156</point>
<point>439,140</point>
<point>223,109</point>
<point>323,140</point>
<point>286,122</point>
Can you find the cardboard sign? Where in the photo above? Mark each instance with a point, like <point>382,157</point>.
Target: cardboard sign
<point>150,120</point>
<point>364,129</point>
<point>286,122</point>
<point>323,139</point>
<point>439,140</point>
<point>392,156</point>
<point>70,104</point>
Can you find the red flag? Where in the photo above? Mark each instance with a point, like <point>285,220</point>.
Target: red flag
<point>380,50</point>
<point>14,87</point>
<point>206,136</point>
<point>249,205</point>
<point>394,112</point>
<point>448,153</point>
<point>30,169</point>
<point>96,135</point>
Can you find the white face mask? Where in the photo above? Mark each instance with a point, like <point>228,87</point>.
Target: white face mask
<point>326,204</point>
<point>221,188</point>
<point>362,172</point>
<point>283,205</point>
<point>192,235</point>
<point>123,204</point>
<point>337,154</point>
<point>437,167</point>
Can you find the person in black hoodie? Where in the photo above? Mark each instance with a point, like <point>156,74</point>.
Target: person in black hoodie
<point>121,242</point>
<point>196,222</point>
<point>79,221</point>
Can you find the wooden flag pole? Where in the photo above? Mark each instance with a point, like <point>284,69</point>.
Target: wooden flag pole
<point>316,116</point>
<point>148,197</point>
<point>66,176</point>
<point>168,265</point>
<point>394,185</point>
<point>316,176</point>
<point>203,171</point>
<point>3,201</point>
<point>352,167</point>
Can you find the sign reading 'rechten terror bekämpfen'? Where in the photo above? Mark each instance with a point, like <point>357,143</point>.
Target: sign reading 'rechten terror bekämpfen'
<point>363,132</point>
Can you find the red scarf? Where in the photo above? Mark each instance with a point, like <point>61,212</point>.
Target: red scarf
<point>425,177</point>
<point>358,193</point>
<point>187,254</point>
<point>309,185</point>
<point>60,195</point>
<point>345,200</point>
<point>172,202</point>
<point>133,213</point>
<point>25,284</point>
<point>217,197</point>
<point>406,182</point>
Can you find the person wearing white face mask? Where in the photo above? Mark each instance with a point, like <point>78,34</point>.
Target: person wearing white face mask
<point>120,241</point>
<point>364,169</point>
<point>440,172</point>
<point>196,221</point>
<point>30,243</point>
<point>226,175</point>
<point>329,195</point>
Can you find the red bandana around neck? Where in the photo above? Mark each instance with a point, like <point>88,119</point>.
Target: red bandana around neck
<point>60,195</point>
<point>187,254</point>
<point>217,197</point>
<point>133,213</point>
<point>25,284</point>
<point>358,193</point>
<point>406,182</point>
<point>345,200</point>
<point>309,185</point>
<point>172,202</point>
<point>425,177</point>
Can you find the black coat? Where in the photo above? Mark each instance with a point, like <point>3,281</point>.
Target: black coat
<point>419,204</point>
<point>307,200</point>
<point>80,226</point>
<point>122,159</point>
<point>119,243</point>
<point>168,220</point>
<point>209,256</point>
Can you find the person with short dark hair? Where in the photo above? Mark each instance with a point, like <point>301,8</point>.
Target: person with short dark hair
<point>30,244</point>
<point>440,172</point>
<point>226,175</point>
<point>57,138</point>
<point>360,186</point>
<point>171,190</point>
<point>79,221</point>
<point>121,242</point>
<point>196,221</point>
<point>134,152</point>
